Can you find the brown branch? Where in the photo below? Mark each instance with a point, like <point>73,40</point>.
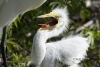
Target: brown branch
<point>84,26</point>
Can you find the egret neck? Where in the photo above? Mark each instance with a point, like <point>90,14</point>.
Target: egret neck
<point>38,47</point>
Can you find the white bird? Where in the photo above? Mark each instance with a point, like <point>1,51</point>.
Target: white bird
<point>69,51</point>
<point>10,9</point>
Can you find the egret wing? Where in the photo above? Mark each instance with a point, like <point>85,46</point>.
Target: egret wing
<point>67,49</point>
<point>1,1</point>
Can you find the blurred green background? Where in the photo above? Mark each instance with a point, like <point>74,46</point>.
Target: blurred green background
<point>83,20</point>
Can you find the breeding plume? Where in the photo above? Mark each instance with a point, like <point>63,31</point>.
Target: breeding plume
<point>69,51</point>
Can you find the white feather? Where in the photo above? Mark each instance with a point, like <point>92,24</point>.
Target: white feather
<point>10,9</point>
<point>63,18</point>
<point>68,51</point>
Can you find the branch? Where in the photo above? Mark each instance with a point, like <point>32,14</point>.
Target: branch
<point>84,26</point>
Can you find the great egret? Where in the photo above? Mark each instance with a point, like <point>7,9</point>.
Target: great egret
<point>67,51</point>
<point>9,11</point>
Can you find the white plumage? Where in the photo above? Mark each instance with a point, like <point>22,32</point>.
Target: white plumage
<point>67,51</point>
<point>10,9</point>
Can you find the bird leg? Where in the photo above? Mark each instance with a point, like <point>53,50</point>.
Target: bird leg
<point>3,46</point>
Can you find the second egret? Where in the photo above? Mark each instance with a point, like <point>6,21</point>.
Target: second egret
<point>69,51</point>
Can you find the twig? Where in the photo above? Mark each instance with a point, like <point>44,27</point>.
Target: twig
<point>22,48</point>
<point>84,26</point>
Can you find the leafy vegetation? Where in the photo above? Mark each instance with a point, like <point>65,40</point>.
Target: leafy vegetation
<point>84,21</point>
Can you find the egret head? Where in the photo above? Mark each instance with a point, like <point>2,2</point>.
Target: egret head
<point>59,17</point>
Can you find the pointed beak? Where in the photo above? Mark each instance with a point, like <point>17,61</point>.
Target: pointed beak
<point>48,15</point>
<point>51,24</point>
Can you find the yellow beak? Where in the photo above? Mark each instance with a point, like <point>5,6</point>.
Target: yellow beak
<point>54,15</point>
<point>48,15</point>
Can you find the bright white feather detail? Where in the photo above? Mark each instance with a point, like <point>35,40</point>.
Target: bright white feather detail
<point>68,51</point>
